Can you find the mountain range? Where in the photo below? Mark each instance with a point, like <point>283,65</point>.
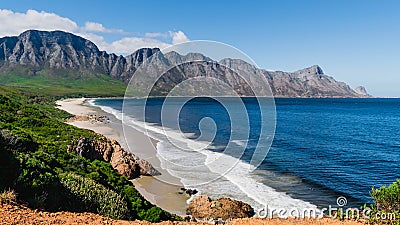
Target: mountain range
<point>64,61</point>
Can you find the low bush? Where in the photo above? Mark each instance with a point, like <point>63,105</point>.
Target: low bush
<point>387,198</point>
<point>9,196</point>
<point>95,197</point>
<point>386,208</point>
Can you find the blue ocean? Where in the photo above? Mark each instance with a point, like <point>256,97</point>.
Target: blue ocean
<point>322,148</point>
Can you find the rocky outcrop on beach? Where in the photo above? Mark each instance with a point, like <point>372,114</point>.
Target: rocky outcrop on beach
<point>202,207</point>
<point>92,118</point>
<point>188,192</point>
<point>57,53</point>
<point>126,163</point>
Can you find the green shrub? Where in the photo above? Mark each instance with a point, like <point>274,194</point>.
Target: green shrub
<point>95,197</point>
<point>387,198</point>
<point>387,202</point>
<point>144,210</point>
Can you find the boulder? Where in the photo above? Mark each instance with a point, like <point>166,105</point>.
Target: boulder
<point>202,207</point>
<point>126,163</point>
<point>189,192</point>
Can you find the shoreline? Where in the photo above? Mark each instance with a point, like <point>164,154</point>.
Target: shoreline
<point>157,192</point>
<point>156,189</point>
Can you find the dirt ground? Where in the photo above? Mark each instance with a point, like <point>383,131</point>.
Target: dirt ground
<point>17,214</point>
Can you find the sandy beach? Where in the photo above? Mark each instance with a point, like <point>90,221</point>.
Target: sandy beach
<point>162,194</point>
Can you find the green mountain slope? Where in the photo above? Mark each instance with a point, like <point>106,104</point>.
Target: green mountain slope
<point>62,83</point>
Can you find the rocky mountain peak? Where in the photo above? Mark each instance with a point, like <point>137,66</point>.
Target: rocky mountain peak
<point>313,70</point>
<point>54,49</point>
<point>361,91</point>
<point>53,38</point>
<point>58,52</point>
<point>135,59</point>
<point>175,58</point>
<point>145,53</point>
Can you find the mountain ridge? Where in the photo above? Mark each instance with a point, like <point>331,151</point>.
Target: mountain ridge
<point>54,51</point>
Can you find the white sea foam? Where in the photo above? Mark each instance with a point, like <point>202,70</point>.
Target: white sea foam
<point>236,182</point>
<point>241,143</point>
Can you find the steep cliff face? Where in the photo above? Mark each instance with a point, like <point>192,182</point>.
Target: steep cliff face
<point>54,49</point>
<point>59,51</point>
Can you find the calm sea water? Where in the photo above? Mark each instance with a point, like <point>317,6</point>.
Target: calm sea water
<point>322,149</point>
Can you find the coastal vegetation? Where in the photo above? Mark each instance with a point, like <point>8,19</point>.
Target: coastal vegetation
<point>35,163</point>
<point>386,209</point>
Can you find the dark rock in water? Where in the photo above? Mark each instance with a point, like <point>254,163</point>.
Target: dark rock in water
<point>182,191</point>
<point>126,163</point>
<point>191,192</point>
<point>202,207</point>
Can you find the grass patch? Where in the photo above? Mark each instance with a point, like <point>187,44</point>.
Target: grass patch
<point>8,197</point>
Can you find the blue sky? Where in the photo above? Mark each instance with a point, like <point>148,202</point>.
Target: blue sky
<point>355,41</point>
